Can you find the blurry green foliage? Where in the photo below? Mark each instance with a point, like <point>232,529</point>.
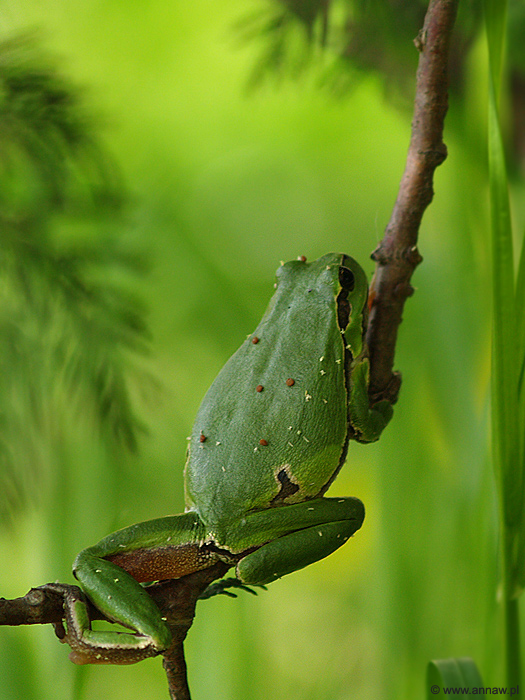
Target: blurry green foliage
<point>359,36</point>
<point>67,326</point>
<point>346,40</point>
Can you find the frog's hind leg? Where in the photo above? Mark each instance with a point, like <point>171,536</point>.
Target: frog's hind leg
<point>319,527</point>
<point>111,572</point>
<point>148,635</point>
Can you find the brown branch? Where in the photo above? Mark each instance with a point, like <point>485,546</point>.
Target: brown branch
<point>397,255</point>
<point>176,599</point>
<point>39,606</point>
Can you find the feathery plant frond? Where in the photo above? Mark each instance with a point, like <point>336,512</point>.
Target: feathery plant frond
<point>359,36</point>
<point>47,137</point>
<point>289,31</point>
<point>70,333</point>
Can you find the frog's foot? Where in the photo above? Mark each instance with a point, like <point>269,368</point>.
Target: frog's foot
<point>99,647</point>
<point>219,588</point>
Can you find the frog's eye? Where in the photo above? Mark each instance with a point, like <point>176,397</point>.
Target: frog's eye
<point>346,279</point>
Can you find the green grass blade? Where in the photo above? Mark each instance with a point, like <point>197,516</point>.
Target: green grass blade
<point>452,673</point>
<point>495,27</point>
<point>505,359</point>
<point>520,339</point>
<point>506,437</point>
<point>520,304</point>
<point>505,365</point>
<point>520,351</point>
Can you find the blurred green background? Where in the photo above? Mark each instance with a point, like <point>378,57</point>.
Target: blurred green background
<point>225,183</point>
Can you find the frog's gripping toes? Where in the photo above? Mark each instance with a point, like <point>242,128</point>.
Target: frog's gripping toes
<point>269,438</point>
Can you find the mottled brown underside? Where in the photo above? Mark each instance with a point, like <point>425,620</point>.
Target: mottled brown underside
<point>163,563</point>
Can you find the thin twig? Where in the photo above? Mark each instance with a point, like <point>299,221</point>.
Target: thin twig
<point>177,600</point>
<point>40,606</point>
<point>397,255</point>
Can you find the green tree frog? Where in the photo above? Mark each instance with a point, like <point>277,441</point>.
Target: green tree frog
<point>269,438</point>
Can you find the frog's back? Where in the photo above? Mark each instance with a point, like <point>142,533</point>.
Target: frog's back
<point>272,427</point>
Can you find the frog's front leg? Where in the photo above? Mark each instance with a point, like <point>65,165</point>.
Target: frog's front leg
<point>111,572</point>
<point>366,422</point>
<point>297,535</point>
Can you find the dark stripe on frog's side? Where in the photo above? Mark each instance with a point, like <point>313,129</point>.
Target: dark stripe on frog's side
<point>288,487</point>
<point>344,314</point>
